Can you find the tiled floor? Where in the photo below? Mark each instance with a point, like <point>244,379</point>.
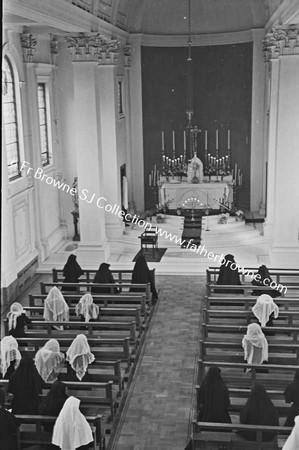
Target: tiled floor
<point>159,404</point>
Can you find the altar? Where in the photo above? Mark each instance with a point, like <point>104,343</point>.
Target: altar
<point>175,193</point>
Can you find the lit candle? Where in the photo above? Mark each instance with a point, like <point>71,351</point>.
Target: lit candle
<point>228,139</point>
<point>184,140</point>
<point>216,139</point>
<point>162,141</point>
<point>163,157</point>
<point>173,141</point>
<point>206,139</point>
<point>181,158</point>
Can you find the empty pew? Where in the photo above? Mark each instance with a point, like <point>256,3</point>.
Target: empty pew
<point>240,302</point>
<point>236,317</point>
<point>225,435</point>
<point>108,314</point>
<point>40,328</point>
<point>83,288</point>
<point>133,299</point>
<point>37,436</point>
<point>233,352</point>
<point>235,333</point>
<point>289,291</point>
<point>236,375</point>
<point>280,276</point>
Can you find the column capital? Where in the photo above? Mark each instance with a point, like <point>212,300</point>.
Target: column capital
<point>28,43</point>
<point>91,47</point>
<point>281,41</point>
<point>54,47</point>
<point>128,54</point>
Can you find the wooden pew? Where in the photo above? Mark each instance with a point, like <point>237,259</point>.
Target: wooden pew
<point>224,435</point>
<point>233,352</point>
<point>108,314</point>
<point>240,302</point>
<point>40,328</point>
<point>37,436</point>
<point>280,276</point>
<point>226,317</point>
<point>278,376</point>
<point>120,276</point>
<point>83,288</point>
<point>93,395</point>
<point>292,290</point>
<point>103,349</point>
<point>235,333</point>
<point>239,396</point>
<point>133,299</point>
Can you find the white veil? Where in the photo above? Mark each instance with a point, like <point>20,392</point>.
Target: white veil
<point>255,339</point>
<point>263,308</point>
<point>71,429</point>
<point>16,310</point>
<point>49,360</point>
<point>56,309</point>
<point>86,308</point>
<point>79,355</point>
<point>9,352</point>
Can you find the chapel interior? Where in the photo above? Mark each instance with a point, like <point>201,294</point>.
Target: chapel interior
<point>175,112</point>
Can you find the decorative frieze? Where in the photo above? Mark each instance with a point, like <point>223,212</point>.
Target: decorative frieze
<point>128,54</point>
<point>93,47</point>
<point>281,41</point>
<point>28,43</point>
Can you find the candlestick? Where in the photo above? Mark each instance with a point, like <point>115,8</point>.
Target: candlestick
<point>216,139</point>
<point>163,158</point>
<point>228,139</point>
<point>149,180</point>
<point>206,139</point>
<point>162,141</point>
<point>173,140</point>
<point>185,145</point>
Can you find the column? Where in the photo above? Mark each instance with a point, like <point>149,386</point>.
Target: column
<point>128,61</point>
<point>93,246</point>
<point>136,123</point>
<point>283,51</point>
<point>257,169</point>
<point>107,94</point>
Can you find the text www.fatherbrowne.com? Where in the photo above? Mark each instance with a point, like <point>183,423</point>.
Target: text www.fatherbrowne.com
<point>102,203</point>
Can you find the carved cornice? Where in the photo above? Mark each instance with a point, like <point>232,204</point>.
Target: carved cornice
<point>28,43</point>
<point>281,41</point>
<point>127,54</point>
<point>93,47</point>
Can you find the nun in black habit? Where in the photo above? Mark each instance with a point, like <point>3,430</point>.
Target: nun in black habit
<point>25,384</point>
<point>104,276</point>
<point>264,274</point>
<point>54,402</point>
<point>8,426</point>
<point>71,272</point>
<point>213,398</point>
<point>258,410</point>
<point>291,395</point>
<point>143,275</point>
<point>229,276</point>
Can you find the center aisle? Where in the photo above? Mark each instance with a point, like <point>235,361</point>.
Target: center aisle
<point>157,412</point>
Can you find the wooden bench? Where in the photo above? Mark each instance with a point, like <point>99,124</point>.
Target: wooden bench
<point>291,275</point>
<point>89,274</point>
<point>37,436</point>
<point>224,435</point>
<point>83,288</point>
<point>247,303</point>
<point>133,299</point>
<point>40,328</point>
<point>226,317</point>
<point>103,349</point>
<point>239,396</point>
<point>235,333</point>
<point>292,290</point>
<point>108,314</point>
<point>233,352</point>
<point>234,375</point>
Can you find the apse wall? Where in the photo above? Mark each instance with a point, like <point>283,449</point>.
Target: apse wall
<point>222,94</point>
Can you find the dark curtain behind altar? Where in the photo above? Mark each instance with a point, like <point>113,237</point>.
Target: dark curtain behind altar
<point>222,90</point>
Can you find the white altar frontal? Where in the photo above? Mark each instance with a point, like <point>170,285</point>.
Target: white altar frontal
<point>175,193</point>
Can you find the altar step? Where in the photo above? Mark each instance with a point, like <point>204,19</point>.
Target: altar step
<point>254,217</point>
